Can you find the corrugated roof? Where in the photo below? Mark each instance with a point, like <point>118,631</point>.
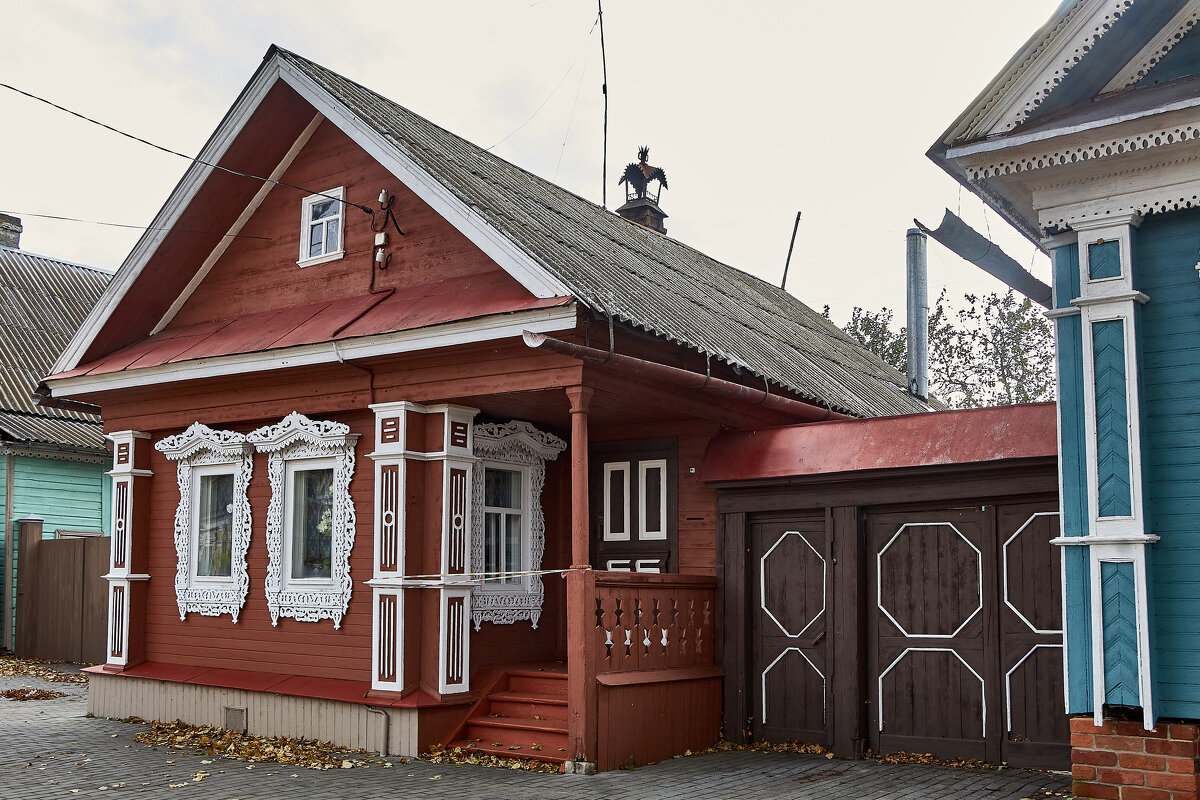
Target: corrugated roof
<point>645,279</point>
<point>42,302</point>
<point>46,431</point>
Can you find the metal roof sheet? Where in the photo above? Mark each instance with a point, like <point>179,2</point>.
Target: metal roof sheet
<point>45,431</point>
<point>42,302</point>
<point>639,276</point>
<point>412,307</point>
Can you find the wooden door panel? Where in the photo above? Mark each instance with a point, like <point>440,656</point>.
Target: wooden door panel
<point>790,664</point>
<point>1035,721</point>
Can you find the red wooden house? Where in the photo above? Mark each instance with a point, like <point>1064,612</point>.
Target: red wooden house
<point>406,440</point>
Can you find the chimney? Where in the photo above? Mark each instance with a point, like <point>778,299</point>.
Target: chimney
<point>10,232</point>
<point>641,205</point>
<point>918,315</point>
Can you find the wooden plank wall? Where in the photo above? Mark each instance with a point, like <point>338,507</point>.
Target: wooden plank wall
<point>350,725</point>
<point>61,598</point>
<point>646,722</point>
<point>65,494</point>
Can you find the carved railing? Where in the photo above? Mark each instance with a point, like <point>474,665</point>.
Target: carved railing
<point>649,621</point>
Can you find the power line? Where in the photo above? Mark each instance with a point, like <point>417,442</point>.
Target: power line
<point>134,227</point>
<point>86,118</point>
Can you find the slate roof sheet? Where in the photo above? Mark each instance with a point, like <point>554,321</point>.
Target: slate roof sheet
<point>42,302</point>
<point>642,277</point>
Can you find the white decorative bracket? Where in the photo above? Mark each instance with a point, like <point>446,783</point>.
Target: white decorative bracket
<point>201,446</point>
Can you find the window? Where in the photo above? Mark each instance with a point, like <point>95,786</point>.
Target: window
<point>508,532</point>
<point>309,525</point>
<point>321,227</point>
<point>212,520</point>
<point>504,537</point>
<point>310,519</point>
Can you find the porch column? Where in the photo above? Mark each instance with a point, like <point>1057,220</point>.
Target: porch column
<point>128,549</point>
<point>581,587</point>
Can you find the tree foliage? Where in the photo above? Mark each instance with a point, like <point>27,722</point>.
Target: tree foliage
<point>997,350</point>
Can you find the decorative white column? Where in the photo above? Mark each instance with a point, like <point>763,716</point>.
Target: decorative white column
<point>126,587</point>
<point>410,436</point>
<point>1116,536</point>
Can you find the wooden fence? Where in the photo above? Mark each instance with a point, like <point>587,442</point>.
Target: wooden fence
<point>62,612</point>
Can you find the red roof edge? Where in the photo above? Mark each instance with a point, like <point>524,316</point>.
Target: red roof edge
<point>914,440</point>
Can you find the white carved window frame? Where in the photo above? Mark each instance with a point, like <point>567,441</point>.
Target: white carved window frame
<point>318,442</point>
<point>200,450</point>
<point>515,445</point>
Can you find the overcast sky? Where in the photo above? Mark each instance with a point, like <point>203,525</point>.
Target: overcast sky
<point>756,110</point>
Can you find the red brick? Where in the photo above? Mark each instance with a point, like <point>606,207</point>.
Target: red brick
<point>1097,790</point>
<point>1139,761</point>
<point>1163,747</point>
<point>1137,729</point>
<point>1139,793</point>
<point>1083,740</point>
<point>1082,772</point>
<point>1123,777</point>
<point>1183,766</point>
<point>1084,725</point>
<point>1185,796</point>
<point>1165,780</point>
<point>1099,758</point>
<point>1182,731</point>
<point>1132,744</point>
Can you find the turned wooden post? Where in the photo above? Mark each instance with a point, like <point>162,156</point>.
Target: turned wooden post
<point>581,588</point>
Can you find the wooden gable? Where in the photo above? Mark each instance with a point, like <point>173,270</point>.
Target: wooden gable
<point>258,272</point>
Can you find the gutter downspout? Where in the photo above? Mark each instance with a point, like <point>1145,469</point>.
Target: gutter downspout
<point>675,376</point>
<point>10,550</point>
<point>387,726</point>
<point>42,397</point>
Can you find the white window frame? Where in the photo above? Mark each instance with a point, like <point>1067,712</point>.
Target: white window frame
<point>526,509</point>
<point>291,467</point>
<point>200,451</point>
<point>516,446</point>
<point>307,260</point>
<point>301,441</point>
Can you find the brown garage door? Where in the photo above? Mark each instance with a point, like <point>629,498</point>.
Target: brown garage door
<point>964,634</point>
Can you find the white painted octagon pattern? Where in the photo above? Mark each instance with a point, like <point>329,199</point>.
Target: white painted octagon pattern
<point>762,586</point>
<point>879,571</point>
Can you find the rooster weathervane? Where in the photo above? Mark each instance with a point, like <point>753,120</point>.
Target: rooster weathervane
<point>637,176</point>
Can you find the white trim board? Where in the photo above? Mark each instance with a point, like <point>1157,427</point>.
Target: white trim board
<point>499,326</point>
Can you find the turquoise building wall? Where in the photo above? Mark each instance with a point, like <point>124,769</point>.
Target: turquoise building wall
<point>1167,249</point>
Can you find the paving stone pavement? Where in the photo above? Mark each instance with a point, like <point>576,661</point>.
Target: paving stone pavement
<point>50,749</point>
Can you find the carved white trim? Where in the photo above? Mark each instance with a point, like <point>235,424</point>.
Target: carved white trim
<point>521,444</point>
<point>200,446</point>
<point>1157,48</point>
<point>297,437</point>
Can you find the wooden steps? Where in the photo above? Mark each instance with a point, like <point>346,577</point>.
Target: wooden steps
<point>525,716</point>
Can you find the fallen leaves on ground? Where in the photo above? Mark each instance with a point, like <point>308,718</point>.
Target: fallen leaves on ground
<point>1048,794</point>
<point>459,755</point>
<point>791,746</point>
<point>221,743</point>
<point>926,758</point>
<point>29,693</point>
<point>37,668</point>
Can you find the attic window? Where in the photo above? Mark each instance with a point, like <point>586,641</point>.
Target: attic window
<point>321,227</point>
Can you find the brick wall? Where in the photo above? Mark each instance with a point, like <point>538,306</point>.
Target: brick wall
<point>1123,761</point>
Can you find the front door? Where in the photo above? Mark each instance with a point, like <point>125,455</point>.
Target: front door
<point>633,506</point>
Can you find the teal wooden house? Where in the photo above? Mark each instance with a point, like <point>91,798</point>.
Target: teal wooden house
<point>1087,141</point>
<point>52,460</point>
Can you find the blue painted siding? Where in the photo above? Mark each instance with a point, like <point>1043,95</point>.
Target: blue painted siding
<point>1164,261</point>
<point>1120,634</point>
<point>1104,260</point>
<point>66,494</point>
<point>1182,60</point>
<point>1071,429</point>
<point>1112,419</point>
